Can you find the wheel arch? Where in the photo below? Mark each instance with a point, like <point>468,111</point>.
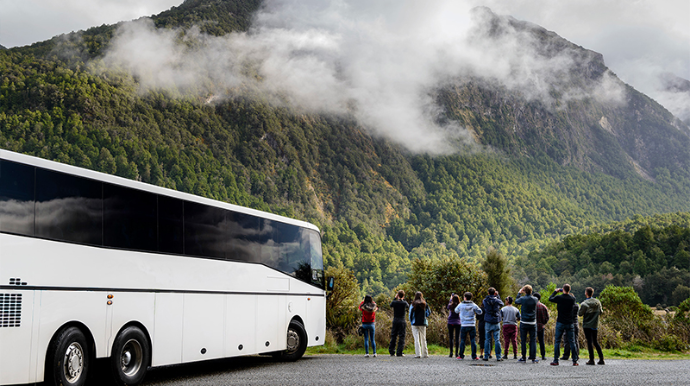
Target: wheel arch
<point>83,328</point>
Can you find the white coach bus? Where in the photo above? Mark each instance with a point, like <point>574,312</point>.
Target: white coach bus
<point>97,266</point>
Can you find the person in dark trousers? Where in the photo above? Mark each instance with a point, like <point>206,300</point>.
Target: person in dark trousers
<point>564,321</point>
<point>453,325</point>
<point>528,322</point>
<point>510,316</point>
<point>399,306</point>
<point>492,318</point>
<point>590,310</point>
<point>576,332</point>
<point>542,318</point>
<point>467,310</point>
<point>481,329</point>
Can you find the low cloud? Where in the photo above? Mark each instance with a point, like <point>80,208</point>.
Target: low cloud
<point>380,62</point>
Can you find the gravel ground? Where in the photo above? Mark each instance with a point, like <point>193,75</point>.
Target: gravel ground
<point>335,370</point>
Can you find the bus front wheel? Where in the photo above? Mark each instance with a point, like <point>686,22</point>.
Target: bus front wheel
<point>296,342</point>
<point>68,358</point>
<point>130,357</point>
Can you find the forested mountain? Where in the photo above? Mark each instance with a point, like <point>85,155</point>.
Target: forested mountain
<point>542,168</point>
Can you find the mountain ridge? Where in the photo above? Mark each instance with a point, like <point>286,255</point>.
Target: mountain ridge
<point>545,171</point>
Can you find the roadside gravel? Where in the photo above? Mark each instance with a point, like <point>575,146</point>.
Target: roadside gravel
<point>336,370</point>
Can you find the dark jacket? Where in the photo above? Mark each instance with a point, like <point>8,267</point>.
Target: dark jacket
<point>542,316</point>
<point>564,305</point>
<point>399,307</point>
<point>492,309</point>
<point>590,310</point>
<point>418,316</point>
<point>528,311</point>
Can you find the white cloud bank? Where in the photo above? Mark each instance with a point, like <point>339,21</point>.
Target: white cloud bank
<point>377,61</point>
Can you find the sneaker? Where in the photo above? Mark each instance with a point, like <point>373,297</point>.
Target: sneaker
<point>514,356</point>
<point>460,358</point>
<point>475,359</point>
<point>485,359</point>
<point>590,363</point>
<point>564,358</point>
<point>554,363</point>
<point>535,360</point>
<point>601,362</point>
<point>374,355</point>
<point>522,360</point>
<point>366,355</point>
<point>499,360</point>
<point>490,356</point>
<point>401,355</point>
<point>575,364</point>
<point>543,358</point>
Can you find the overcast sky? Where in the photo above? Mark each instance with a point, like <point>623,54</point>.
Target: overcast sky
<point>638,38</point>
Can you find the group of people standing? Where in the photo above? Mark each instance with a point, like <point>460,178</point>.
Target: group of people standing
<point>467,319</point>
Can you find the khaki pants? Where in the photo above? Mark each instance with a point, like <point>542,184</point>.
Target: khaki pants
<point>419,334</point>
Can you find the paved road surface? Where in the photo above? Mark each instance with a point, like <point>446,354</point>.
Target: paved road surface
<point>333,370</point>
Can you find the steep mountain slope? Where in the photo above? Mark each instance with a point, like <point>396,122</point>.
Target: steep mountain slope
<point>549,165</point>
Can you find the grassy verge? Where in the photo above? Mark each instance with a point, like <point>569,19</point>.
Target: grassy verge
<point>627,352</point>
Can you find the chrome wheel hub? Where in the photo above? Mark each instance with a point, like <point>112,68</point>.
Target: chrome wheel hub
<point>73,362</point>
<point>292,341</point>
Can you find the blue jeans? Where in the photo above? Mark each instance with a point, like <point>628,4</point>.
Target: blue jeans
<point>569,336</point>
<point>463,333</point>
<point>369,333</point>
<point>530,329</point>
<point>492,330</point>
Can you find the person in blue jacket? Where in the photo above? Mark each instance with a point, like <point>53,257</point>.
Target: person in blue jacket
<point>492,316</point>
<point>419,312</point>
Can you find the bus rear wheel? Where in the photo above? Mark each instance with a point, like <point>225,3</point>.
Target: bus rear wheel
<point>130,357</point>
<point>68,358</point>
<point>296,342</point>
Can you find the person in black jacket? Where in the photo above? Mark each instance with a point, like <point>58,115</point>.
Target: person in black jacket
<point>564,322</point>
<point>399,306</point>
<point>528,322</point>
<point>492,316</point>
<point>576,332</point>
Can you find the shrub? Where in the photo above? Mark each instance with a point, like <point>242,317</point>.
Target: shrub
<point>341,305</point>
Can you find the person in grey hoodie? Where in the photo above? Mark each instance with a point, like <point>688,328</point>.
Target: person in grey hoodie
<point>510,316</point>
<point>467,310</point>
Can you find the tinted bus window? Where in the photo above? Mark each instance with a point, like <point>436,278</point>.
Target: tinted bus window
<point>129,218</point>
<point>316,255</point>
<point>16,198</point>
<point>205,231</point>
<point>170,225</point>
<point>243,237</point>
<point>68,208</point>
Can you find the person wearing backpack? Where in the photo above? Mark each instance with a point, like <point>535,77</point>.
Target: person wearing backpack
<point>369,308</point>
<point>492,318</point>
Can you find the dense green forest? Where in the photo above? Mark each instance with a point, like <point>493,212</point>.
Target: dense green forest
<point>379,206</point>
<point>650,254</point>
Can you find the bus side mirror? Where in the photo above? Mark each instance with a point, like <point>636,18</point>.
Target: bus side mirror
<point>330,283</point>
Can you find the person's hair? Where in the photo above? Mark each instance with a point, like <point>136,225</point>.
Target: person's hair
<point>538,296</point>
<point>492,290</point>
<point>455,301</point>
<point>589,291</point>
<point>566,288</point>
<point>468,295</point>
<point>368,299</point>
<point>418,301</point>
<point>528,289</point>
<point>401,294</point>
<point>509,299</point>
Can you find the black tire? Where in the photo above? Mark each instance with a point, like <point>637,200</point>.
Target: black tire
<point>130,358</point>
<point>296,342</point>
<point>68,358</point>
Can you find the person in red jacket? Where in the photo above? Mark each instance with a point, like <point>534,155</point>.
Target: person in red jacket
<point>369,308</point>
